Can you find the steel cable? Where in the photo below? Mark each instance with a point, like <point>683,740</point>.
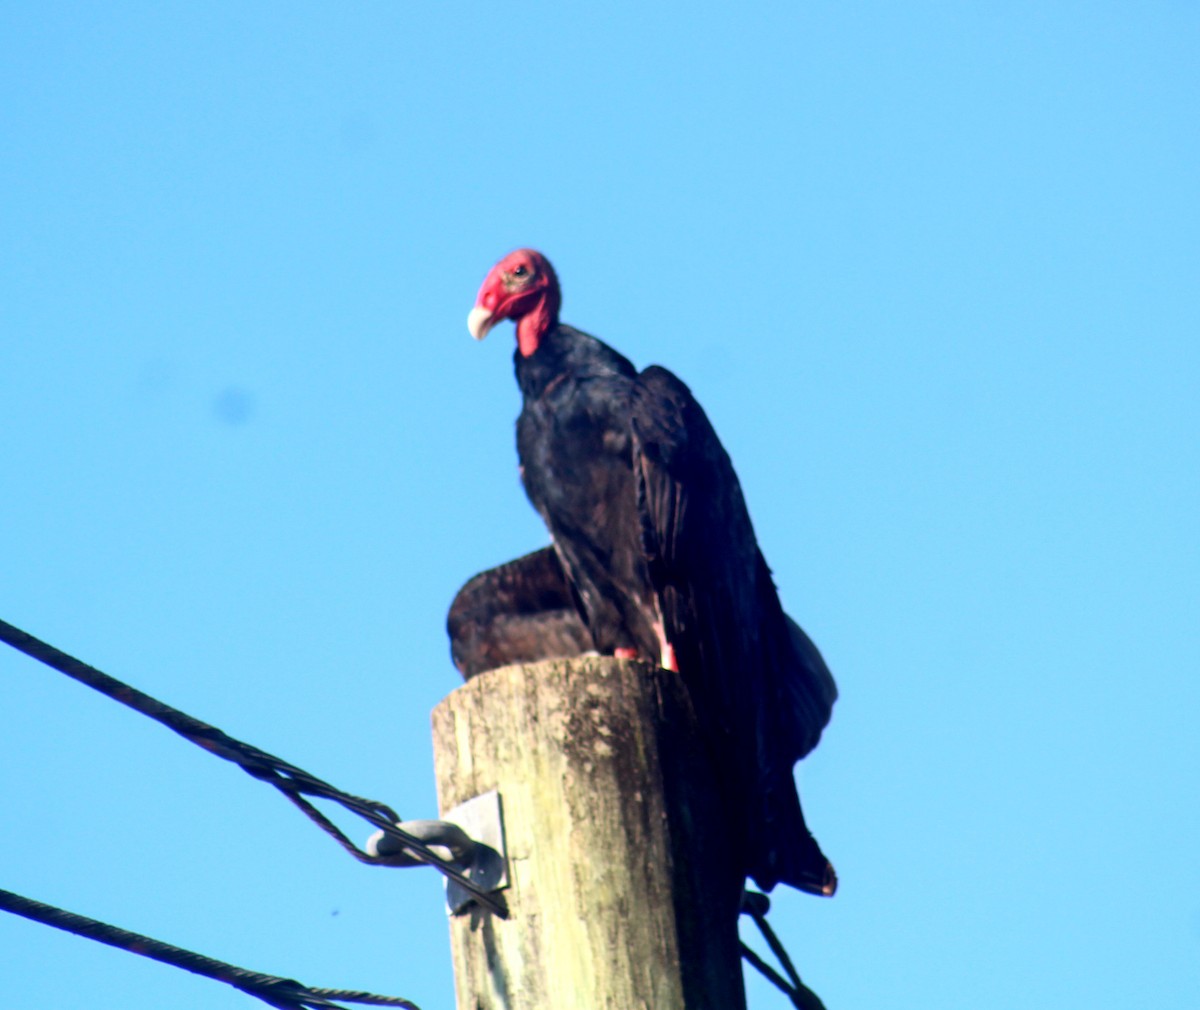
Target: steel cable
<point>293,782</point>
<point>802,997</point>
<point>284,993</point>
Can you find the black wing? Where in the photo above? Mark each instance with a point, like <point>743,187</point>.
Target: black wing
<point>760,685</point>
<point>519,612</point>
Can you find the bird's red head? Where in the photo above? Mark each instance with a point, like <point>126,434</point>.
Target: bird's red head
<point>522,287</point>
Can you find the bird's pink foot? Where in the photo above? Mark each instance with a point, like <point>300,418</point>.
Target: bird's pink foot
<point>624,653</point>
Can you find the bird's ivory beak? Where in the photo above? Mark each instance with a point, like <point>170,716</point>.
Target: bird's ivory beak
<point>479,321</point>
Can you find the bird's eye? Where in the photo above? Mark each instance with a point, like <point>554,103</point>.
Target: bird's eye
<point>520,270</point>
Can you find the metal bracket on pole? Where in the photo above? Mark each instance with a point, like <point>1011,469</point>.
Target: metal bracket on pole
<point>471,836</point>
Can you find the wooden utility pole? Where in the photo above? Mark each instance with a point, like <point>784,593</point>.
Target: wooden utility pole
<point>622,893</point>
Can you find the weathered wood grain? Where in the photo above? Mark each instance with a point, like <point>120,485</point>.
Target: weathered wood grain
<point>621,893</point>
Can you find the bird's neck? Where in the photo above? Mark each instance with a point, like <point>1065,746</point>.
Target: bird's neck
<point>538,368</point>
<point>567,352</point>
<point>535,324</point>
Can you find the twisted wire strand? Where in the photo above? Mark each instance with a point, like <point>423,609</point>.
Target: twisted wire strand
<point>284,993</point>
<point>291,781</point>
<point>801,996</point>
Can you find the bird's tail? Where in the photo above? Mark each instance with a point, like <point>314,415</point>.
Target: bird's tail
<point>784,850</point>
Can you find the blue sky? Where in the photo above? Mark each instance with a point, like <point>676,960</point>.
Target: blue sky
<point>931,268</point>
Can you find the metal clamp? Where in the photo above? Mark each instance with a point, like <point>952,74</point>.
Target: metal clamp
<point>471,837</point>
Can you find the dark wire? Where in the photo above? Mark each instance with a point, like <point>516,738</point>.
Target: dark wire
<point>285,993</point>
<point>756,906</point>
<point>293,782</point>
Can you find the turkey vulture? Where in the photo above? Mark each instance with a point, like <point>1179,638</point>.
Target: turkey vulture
<point>655,542</point>
<point>520,612</point>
